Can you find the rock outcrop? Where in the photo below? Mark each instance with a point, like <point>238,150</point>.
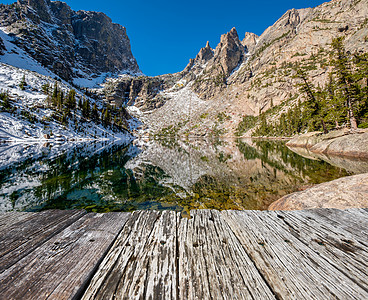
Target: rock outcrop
<point>204,55</point>
<point>2,47</point>
<point>71,44</point>
<point>343,193</point>
<point>141,91</point>
<point>250,41</point>
<point>340,143</point>
<point>196,65</point>
<point>228,55</point>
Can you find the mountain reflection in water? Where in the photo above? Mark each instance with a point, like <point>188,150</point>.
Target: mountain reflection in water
<point>165,174</point>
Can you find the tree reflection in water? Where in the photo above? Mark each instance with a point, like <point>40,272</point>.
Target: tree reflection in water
<point>167,174</point>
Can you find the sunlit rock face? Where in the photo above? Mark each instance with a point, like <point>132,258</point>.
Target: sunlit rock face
<point>343,193</point>
<point>246,74</point>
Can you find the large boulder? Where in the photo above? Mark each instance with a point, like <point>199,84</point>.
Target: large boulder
<point>343,193</point>
<point>343,142</point>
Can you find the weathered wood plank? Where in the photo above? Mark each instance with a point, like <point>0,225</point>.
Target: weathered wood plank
<point>353,220</point>
<point>337,246</point>
<point>22,237</point>
<point>292,269</point>
<point>213,264</point>
<point>10,218</point>
<point>142,262</point>
<point>62,266</point>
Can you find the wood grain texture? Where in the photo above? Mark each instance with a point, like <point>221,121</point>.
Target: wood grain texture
<point>292,269</point>
<point>31,230</point>
<point>354,221</point>
<point>213,264</point>
<point>10,218</point>
<point>61,267</point>
<point>142,262</point>
<point>313,254</point>
<point>338,247</point>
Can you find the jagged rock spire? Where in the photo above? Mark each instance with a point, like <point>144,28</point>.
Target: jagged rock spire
<point>229,51</point>
<point>250,41</point>
<point>205,54</point>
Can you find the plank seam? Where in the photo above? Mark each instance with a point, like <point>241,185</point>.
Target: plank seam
<point>255,265</point>
<point>205,261</point>
<point>79,294</point>
<point>178,220</point>
<point>132,255</point>
<point>232,257</point>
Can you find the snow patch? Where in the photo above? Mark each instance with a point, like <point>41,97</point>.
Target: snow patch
<point>17,57</point>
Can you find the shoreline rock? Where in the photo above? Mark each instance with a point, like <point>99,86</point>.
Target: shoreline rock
<point>343,193</point>
<point>343,142</point>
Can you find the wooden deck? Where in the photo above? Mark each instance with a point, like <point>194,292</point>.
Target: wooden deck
<point>315,254</point>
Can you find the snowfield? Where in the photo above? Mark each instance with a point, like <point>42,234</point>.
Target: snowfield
<point>14,127</point>
<point>18,58</point>
<point>31,119</point>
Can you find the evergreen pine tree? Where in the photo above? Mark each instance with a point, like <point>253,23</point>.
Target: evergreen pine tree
<point>345,82</point>
<point>23,83</point>
<point>71,101</point>
<point>94,113</point>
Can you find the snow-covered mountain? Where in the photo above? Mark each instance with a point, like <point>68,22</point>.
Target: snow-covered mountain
<point>81,47</point>
<point>49,57</point>
<point>27,115</point>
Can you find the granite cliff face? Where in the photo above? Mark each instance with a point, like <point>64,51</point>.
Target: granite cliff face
<point>252,75</point>
<point>228,55</point>
<point>299,36</point>
<point>71,44</point>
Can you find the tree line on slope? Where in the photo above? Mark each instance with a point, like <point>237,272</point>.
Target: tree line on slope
<point>342,102</point>
<point>108,116</point>
<point>65,106</point>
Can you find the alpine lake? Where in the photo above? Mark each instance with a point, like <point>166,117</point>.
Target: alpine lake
<point>167,174</point>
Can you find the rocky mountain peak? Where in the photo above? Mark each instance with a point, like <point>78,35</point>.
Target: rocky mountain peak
<point>229,52</point>
<point>250,41</point>
<point>40,9</point>
<point>205,54</point>
<point>69,43</point>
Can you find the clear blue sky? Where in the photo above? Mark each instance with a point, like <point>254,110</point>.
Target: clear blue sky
<point>164,34</point>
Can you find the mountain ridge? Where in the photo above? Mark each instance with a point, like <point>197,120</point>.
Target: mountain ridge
<point>251,76</point>
<point>72,44</point>
<point>217,89</point>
